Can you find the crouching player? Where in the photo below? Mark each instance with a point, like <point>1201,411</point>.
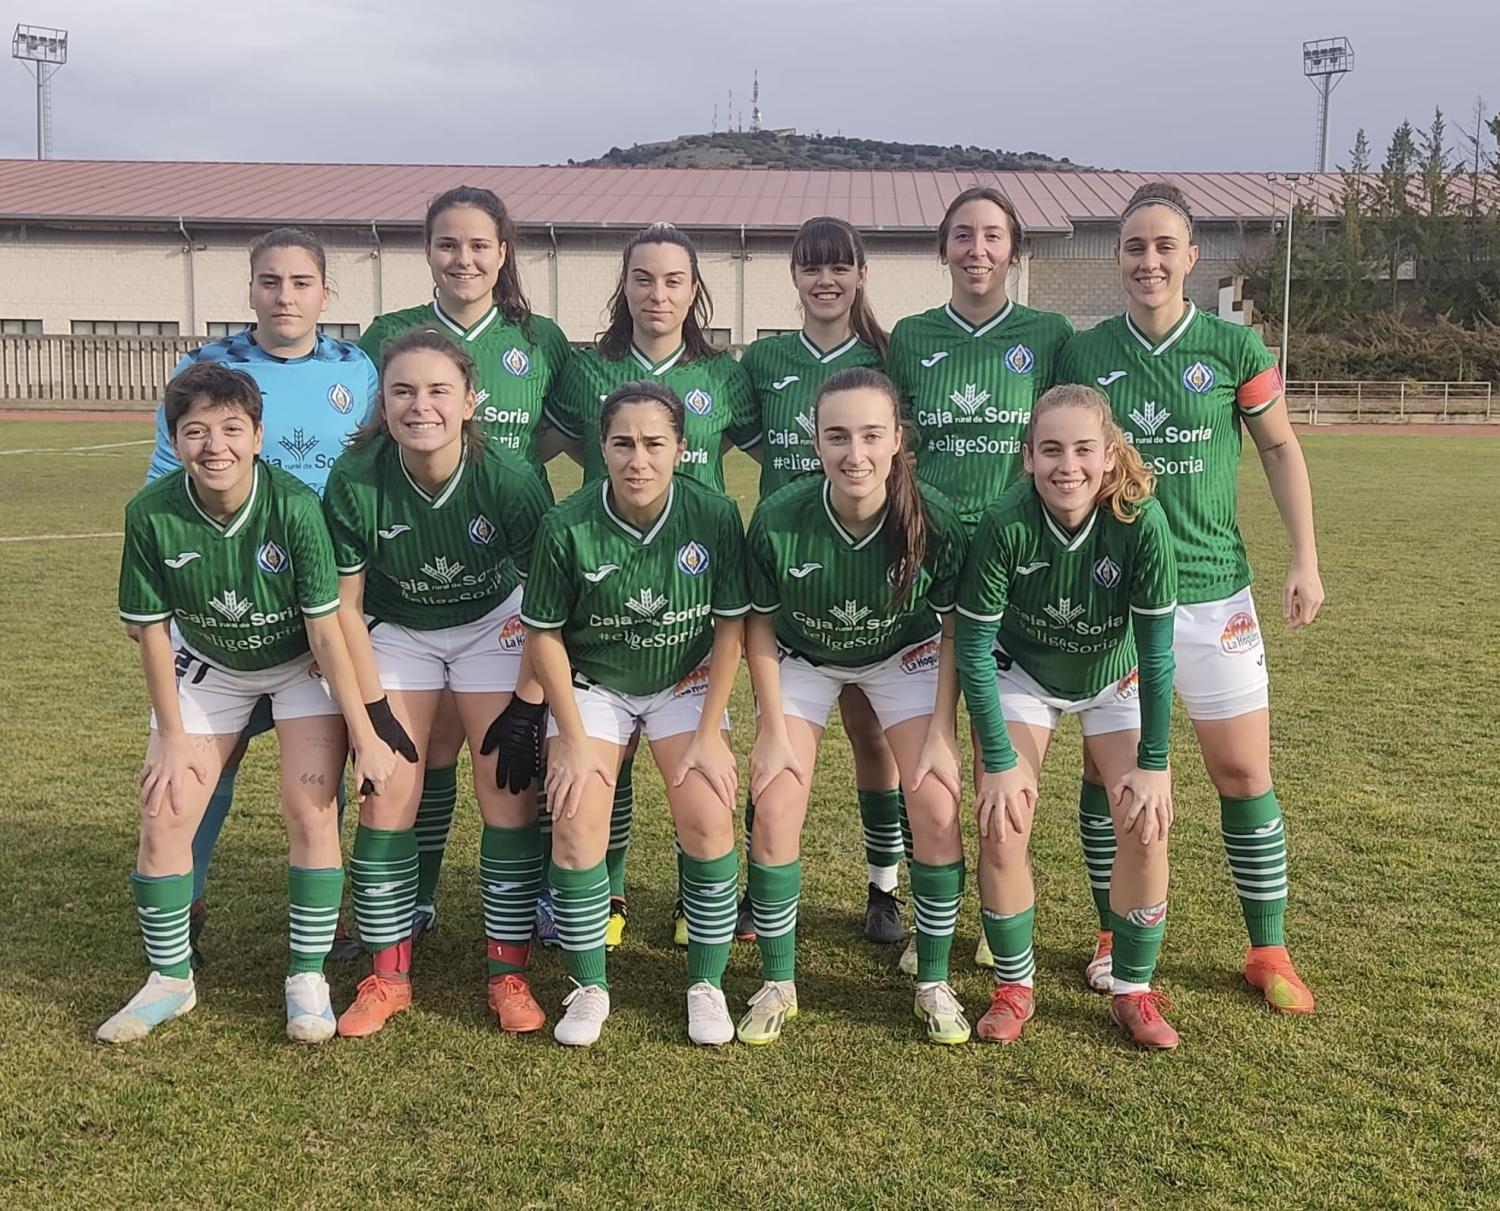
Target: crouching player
<point>634,616</point>
<point>1072,572</point>
<point>432,529</point>
<point>236,553</point>
<point>855,566</point>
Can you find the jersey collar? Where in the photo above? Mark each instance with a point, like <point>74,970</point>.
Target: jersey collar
<point>660,367</point>
<point>447,490</point>
<point>643,539</point>
<point>979,330</point>
<point>468,334</point>
<point>1068,542</point>
<point>832,355</point>
<point>1170,339</point>
<point>855,544</point>
<point>227,529</point>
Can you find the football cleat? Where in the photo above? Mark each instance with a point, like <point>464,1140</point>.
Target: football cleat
<point>376,1000</point>
<point>309,1013</point>
<point>1139,1015</point>
<point>1270,969</point>
<point>1011,1007</point>
<point>160,999</point>
<point>1099,971</point>
<point>937,1006</point>
<point>770,1009</point>
<point>614,932</point>
<point>883,917</point>
<point>511,1000</point>
<point>584,1011</point>
<point>709,1023</point>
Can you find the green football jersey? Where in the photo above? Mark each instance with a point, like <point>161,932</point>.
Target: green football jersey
<point>635,608</point>
<point>240,589</point>
<point>968,392</point>
<point>785,373</point>
<point>517,371</point>
<point>433,560</point>
<point>715,394</point>
<point>1180,401</point>
<point>1064,600</point>
<point>831,592</point>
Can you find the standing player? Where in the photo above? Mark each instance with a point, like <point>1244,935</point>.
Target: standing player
<point>478,303</point>
<point>634,623</point>
<point>432,529</point>
<point>658,330</point>
<point>1181,383</point>
<point>233,551</point>
<point>316,390</point>
<point>856,565</point>
<point>1071,571</point>
<point>839,331</point>
<point>970,370</point>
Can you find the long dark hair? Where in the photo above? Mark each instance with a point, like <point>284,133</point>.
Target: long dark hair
<point>906,526</point>
<point>614,341</point>
<point>987,193</point>
<point>430,339</point>
<point>508,294</point>
<point>826,240</point>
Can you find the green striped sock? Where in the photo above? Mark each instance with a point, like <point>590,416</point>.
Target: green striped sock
<point>383,874</point>
<point>1009,935</point>
<point>543,821</point>
<point>774,892</point>
<point>580,906</point>
<point>1255,844</point>
<point>162,904</point>
<point>434,819</point>
<point>880,816</point>
<point>935,895</point>
<point>1138,936</point>
<point>905,824</point>
<point>510,880</point>
<point>709,888</point>
<point>1097,832</point>
<point>621,816</point>
<point>312,896</point>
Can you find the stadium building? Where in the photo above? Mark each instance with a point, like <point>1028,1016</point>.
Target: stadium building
<point>158,249</point>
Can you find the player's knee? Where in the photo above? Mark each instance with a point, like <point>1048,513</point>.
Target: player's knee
<point>1235,778</point>
<point>1131,851</point>
<point>1008,856</point>
<point>309,822</point>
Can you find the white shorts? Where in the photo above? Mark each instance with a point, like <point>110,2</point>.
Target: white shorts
<point>608,715</point>
<point>901,687</point>
<point>479,657</point>
<point>1116,708</point>
<point>1221,659</point>
<point>218,702</point>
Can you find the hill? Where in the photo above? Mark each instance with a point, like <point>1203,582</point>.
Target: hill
<point>773,149</point>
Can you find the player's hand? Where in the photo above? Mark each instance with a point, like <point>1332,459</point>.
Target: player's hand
<point>1301,596</point>
<point>1144,796</point>
<point>771,756</point>
<point>714,759</point>
<point>170,763</point>
<point>374,766</point>
<point>939,758</point>
<point>570,765</point>
<point>1005,802</point>
<point>517,735</point>
<point>389,728</point>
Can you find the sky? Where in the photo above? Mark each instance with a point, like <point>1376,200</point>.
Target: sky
<point>1149,86</point>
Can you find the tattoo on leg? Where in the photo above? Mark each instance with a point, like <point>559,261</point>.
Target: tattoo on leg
<point>1153,914</point>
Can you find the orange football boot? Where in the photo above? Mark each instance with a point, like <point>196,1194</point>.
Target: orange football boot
<point>376,1001</point>
<point>1139,1013</point>
<point>1011,1007</point>
<point>510,998</point>
<point>1270,969</point>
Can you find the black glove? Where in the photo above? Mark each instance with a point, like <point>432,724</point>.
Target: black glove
<point>517,733</point>
<point>389,729</point>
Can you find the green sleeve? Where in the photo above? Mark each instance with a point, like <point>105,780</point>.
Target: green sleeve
<point>143,596</point>
<point>1153,576</point>
<point>953,541</point>
<point>372,338</point>
<point>523,503</point>
<point>1064,371</point>
<point>551,589</point>
<point>748,364</point>
<point>562,408</point>
<point>559,353</point>
<point>730,594</point>
<point>313,570</point>
<point>765,592</point>
<point>973,643</point>
<point>896,363</point>
<point>1064,336</point>
<point>1153,645</point>
<point>351,548</point>
<point>744,420</point>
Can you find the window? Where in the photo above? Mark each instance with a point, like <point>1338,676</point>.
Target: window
<point>20,327</point>
<point>344,332</point>
<point>765,332</point>
<point>222,328</point>
<point>124,327</point>
<point>718,337</point>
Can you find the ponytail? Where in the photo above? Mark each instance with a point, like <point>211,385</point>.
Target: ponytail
<point>906,524</point>
<point>1131,481</point>
<point>509,296</point>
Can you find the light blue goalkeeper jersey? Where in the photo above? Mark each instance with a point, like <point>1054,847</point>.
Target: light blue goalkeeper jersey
<point>312,403</point>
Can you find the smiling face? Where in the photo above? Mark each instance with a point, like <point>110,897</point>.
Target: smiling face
<point>217,444</point>
<point>979,250</point>
<point>1068,458</point>
<point>827,291</point>
<point>425,399</point>
<point>465,255</point>
<point>659,289</point>
<point>287,294</point>
<point>641,452</point>
<point>858,438</point>
<point>1156,254</point>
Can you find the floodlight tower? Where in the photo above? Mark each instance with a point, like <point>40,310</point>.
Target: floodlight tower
<point>43,50</point>
<point>1326,62</point>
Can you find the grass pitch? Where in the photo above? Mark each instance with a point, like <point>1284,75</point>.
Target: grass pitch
<point>1384,724</point>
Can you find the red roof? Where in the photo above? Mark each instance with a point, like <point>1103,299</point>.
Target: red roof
<point>113,191</point>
